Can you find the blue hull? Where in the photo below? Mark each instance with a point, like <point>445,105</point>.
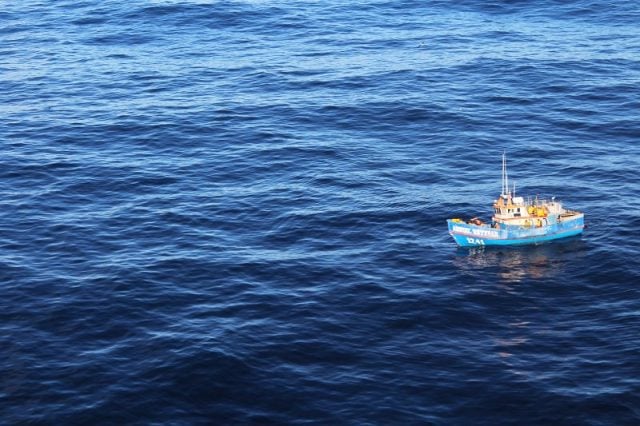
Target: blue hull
<point>469,235</point>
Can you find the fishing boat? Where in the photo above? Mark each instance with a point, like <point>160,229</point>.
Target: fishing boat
<point>517,220</point>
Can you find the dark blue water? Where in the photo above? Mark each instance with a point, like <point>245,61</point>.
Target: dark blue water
<point>233,212</point>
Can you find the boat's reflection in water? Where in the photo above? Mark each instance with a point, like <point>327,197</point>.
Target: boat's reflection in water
<point>516,263</point>
<point>498,272</point>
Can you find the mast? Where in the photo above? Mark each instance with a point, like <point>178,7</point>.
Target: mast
<point>505,177</point>
<point>502,178</point>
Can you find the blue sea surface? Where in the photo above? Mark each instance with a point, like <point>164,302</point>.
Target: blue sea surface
<point>233,212</point>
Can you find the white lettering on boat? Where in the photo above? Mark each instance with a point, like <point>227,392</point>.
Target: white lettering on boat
<point>490,233</point>
<point>475,241</point>
<point>485,233</point>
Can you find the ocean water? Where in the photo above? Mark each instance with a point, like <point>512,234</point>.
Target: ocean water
<point>233,212</point>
